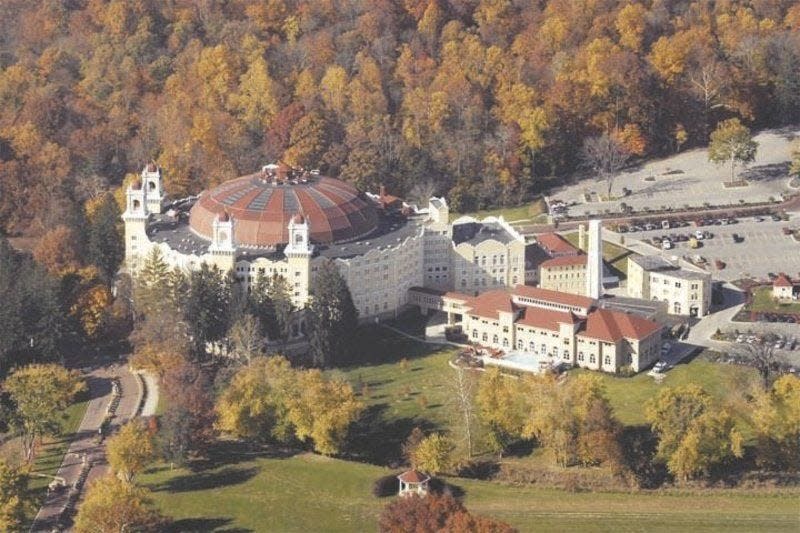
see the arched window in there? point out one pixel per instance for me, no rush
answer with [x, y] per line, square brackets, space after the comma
[137, 204]
[505, 343]
[580, 356]
[484, 337]
[608, 360]
[494, 339]
[520, 344]
[474, 333]
[532, 346]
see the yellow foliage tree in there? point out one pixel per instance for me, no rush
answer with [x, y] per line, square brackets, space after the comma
[130, 450]
[114, 506]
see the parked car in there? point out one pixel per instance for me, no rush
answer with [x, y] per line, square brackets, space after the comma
[665, 224]
[775, 217]
[694, 243]
[737, 238]
[758, 219]
[699, 235]
[660, 366]
[666, 244]
[649, 226]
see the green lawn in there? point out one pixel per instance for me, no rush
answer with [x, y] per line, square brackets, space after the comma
[534, 210]
[52, 452]
[311, 493]
[628, 395]
[406, 383]
[764, 303]
[616, 256]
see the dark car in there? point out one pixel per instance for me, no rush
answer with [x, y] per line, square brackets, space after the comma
[737, 237]
[776, 218]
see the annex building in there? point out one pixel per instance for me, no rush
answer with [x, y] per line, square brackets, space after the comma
[551, 327]
[282, 221]
[685, 292]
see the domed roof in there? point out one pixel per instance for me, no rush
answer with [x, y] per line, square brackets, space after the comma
[262, 208]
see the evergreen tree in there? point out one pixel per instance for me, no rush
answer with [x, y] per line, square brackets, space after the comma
[260, 304]
[333, 317]
[281, 297]
[105, 238]
[205, 307]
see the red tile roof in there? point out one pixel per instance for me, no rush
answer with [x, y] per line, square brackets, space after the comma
[565, 260]
[491, 303]
[556, 244]
[782, 281]
[613, 326]
[412, 476]
[553, 296]
[545, 318]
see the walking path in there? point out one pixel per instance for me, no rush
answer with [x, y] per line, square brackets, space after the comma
[85, 459]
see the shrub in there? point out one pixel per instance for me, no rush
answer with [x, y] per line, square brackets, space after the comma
[385, 486]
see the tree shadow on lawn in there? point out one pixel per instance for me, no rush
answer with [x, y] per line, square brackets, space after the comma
[379, 441]
[207, 480]
[229, 452]
[187, 525]
[639, 446]
[377, 345]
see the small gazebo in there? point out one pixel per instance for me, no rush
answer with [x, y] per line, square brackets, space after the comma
[413, 482]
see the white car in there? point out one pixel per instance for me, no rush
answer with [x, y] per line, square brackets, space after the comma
[660, 366]
[699, 235]
[666, 244]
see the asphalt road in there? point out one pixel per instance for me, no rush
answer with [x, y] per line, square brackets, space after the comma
[84, 449]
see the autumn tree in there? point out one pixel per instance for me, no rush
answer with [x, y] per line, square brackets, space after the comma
[463, 386]
[323, 410]
[187, 426]
[255, 405]
[14, 497]
[58, 251]
[501, 407]
[574, 422]
[731, 143]
[418, 513]
[130, 450]
[776, 419]
[115, 506]
[433, 454]
[40, 394]
[693, 434]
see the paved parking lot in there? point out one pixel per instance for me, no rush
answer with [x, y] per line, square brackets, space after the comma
[689, 179]
[764, 248]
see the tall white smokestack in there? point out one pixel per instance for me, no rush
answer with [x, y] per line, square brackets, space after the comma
[594, 261]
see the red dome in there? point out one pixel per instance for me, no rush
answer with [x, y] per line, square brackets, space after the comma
[262, 209]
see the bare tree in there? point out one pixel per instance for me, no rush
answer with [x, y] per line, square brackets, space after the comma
[421, 192]
[763, 357]
[464, 396]
[604, 155]
[246, 339]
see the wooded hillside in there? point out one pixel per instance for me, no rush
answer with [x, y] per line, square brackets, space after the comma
[476, 99]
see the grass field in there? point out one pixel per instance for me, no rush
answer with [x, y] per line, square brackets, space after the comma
[534, 210]
[404, 384]
[311, 493]
[240, 490]
[628, 395]
[763, 303]
[52, 452]
[616, 256]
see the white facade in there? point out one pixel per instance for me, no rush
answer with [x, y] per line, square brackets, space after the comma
[379, 275]
[685, 292]
[594, 261]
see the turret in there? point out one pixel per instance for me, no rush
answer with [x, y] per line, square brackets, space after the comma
[152, 184]
[135, 218]
[223, 242]
[298, 254]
